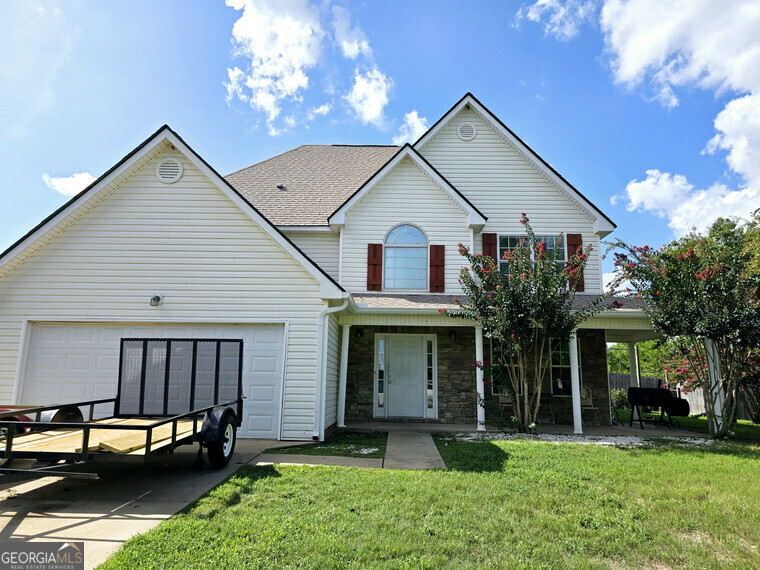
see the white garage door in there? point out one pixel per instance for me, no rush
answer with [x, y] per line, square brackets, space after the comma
[75, 362]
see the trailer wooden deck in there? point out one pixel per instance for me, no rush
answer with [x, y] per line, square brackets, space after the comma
[127, 441]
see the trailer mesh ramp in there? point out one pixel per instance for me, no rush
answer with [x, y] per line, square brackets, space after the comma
[169, 377]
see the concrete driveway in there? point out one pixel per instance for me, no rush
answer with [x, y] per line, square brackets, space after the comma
[128, 499]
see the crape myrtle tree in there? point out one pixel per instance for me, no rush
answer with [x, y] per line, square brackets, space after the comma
[523, 308]
[701, 290]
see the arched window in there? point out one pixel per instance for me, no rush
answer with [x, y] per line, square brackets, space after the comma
[406, 263]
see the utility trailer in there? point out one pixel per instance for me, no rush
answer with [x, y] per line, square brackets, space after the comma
[171, 392]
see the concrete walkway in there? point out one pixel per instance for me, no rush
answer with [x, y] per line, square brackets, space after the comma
[412, 450]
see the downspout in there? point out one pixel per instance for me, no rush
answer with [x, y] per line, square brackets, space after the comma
[321, 387]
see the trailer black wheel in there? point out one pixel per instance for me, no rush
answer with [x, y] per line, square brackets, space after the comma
[220, 451]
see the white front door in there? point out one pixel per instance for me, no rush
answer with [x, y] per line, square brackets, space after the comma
[406, 376]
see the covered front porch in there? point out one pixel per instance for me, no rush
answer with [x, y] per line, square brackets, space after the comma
[413, 366]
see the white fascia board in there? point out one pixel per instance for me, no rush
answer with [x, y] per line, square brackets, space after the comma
[601, 225]
[327, 289]
[474, 218]
[83, 197]
[307, 229]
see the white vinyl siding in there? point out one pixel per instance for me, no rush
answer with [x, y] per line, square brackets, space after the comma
[333, 365]
[321, 247]
[405, 196]
[502, 184]
[187, 242]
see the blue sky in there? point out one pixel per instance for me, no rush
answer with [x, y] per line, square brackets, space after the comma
[650, 108]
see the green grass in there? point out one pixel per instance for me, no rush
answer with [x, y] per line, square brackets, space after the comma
[508, 504]
[369, 445]
[744, 430]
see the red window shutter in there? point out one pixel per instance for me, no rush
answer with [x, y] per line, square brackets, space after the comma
[489, 246]
[574, 242]
[374, 267]
[437, 263]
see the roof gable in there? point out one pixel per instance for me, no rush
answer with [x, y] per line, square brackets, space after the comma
[475, 218]
[602, 224]
[83, 202]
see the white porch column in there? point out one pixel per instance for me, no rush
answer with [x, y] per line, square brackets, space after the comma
[633, 366]
[343, 375]
[575, 383]
[714, 376]
[479, 378]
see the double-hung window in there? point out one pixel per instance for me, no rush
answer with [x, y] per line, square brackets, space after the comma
[406, 258]
[512, 242]
[560, 368]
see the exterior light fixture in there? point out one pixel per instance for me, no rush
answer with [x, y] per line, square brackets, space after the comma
[359, 333]
[281, 187]
[155, 300]
[452, 334]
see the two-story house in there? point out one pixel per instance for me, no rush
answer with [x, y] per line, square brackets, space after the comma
[330, 262]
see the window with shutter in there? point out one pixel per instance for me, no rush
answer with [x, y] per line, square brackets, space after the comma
[489, 246]
[437, 266]
[574, 243]
[374, 266]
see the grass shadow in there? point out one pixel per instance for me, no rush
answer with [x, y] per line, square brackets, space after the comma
[231, 490]
[470, 456]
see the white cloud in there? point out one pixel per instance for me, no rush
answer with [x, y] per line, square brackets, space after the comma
[281, 44]
[352, 41]
[37, 42]
[413, 128]
[738, 126]
[609, 278]
[320, 111]
[281, 41]
[69, 185]
[699, 42]
[369, 96]
[562, 19]
[671, 196]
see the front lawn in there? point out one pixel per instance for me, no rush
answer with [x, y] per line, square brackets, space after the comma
[509, 504]
[370, 445]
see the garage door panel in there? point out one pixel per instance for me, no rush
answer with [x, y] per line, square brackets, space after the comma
[74, 362]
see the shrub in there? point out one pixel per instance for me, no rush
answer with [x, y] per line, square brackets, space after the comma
[618, 399]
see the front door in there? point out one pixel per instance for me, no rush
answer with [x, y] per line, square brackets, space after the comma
[406, 376]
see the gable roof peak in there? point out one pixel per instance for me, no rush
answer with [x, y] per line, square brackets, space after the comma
[603, 224]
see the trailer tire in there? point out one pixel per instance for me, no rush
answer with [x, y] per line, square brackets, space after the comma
[220, 451]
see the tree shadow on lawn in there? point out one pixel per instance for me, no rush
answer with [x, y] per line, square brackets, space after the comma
[231, 490]
[471, 456]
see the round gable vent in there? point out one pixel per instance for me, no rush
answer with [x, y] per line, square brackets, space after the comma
[169, 170]
[466, 131]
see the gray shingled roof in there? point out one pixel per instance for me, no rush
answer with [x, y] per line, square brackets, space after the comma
[425, 301]
[317, 180]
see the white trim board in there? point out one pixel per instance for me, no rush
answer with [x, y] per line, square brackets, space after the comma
[474, 218]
